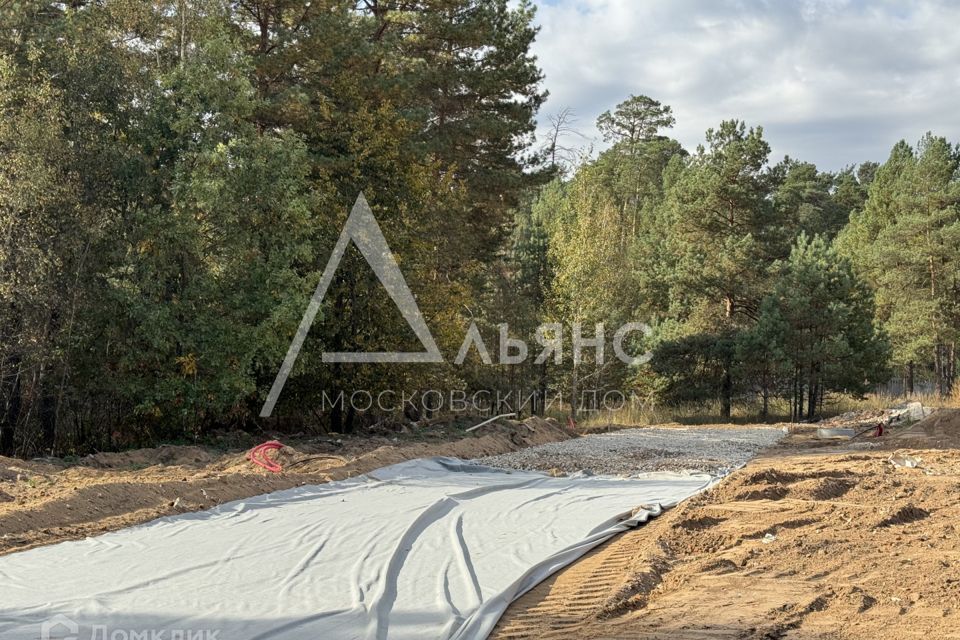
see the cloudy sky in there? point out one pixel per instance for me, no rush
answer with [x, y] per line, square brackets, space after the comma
[835, 82]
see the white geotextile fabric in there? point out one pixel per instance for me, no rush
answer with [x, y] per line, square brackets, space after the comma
[420, 550]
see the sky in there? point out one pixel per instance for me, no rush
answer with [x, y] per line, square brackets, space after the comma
[834, 82]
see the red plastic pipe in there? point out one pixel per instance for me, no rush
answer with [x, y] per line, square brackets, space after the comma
[258, 456]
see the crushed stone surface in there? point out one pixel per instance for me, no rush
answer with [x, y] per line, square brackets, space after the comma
[633, 451]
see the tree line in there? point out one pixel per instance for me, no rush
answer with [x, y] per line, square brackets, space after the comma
[175, 173]
[761, 280]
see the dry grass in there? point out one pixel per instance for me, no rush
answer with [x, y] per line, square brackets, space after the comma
[842, 404]
[749, 411]
[688, 413]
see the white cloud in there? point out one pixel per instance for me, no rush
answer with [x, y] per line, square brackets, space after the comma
[831, 81]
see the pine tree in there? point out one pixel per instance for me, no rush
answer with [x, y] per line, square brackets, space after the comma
[807, 202]
[722, 234]
[819, 324]
[906, 243]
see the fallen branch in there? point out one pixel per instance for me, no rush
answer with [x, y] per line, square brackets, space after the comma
[485, 422]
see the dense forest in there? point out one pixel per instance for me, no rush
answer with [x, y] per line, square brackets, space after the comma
[175, 173]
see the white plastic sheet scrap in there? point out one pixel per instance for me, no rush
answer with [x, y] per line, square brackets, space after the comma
[420, 550]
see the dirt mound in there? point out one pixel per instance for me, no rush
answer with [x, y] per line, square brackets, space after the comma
[904, 515]
[822, 488]
[938, 430]
[777, 484]
[142, 458]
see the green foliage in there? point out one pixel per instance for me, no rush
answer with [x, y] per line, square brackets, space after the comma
[818, 325]
[906, 243]
[690, 367]
[713, 250]
[636, 119]
[721, 221]
[813, 201]
[175, 173]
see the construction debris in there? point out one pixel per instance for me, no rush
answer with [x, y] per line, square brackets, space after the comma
[898, 415]
[903, 460]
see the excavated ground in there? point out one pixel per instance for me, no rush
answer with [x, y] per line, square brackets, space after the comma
[812, 540]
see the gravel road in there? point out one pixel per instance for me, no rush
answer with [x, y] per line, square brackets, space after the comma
[634, 451]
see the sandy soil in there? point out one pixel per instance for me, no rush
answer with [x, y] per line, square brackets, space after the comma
[813, 540]
[42, 502]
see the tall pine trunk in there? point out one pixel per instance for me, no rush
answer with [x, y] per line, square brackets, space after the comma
[726, 391]
[938, 367]
[12, 397]
[952, 367]
[543, 390]
[765, 411]
[573, 392]
[726, 388]
[800, 397]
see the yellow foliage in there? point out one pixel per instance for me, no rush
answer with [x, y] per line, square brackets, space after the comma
[188, 365]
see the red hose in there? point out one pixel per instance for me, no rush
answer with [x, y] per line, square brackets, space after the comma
[258, 456]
